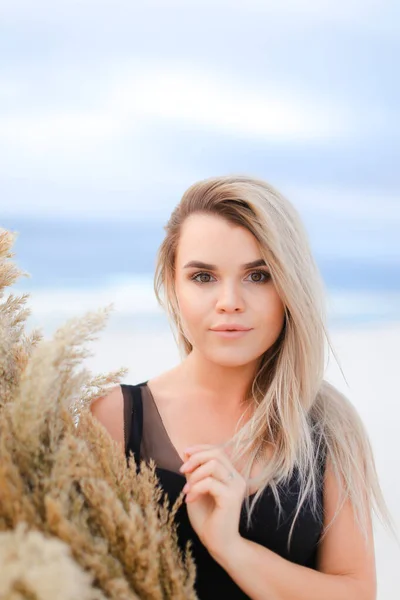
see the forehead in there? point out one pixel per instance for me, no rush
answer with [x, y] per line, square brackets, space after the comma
[212, 238]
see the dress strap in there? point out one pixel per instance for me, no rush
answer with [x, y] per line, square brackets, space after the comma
[136, 429]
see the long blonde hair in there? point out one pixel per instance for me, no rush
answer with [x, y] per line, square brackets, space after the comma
[300, 415]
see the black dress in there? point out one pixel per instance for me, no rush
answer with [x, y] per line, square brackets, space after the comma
[146, 437]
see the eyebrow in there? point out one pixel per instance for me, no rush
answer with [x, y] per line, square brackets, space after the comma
[202, 265]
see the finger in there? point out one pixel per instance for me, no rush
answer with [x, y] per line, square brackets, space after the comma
[201, 447]
[201, 457]
[209, 485]
[211, 468]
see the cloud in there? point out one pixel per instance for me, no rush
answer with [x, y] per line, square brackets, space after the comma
[114, 103]
[109, 137]
[357, 12]
[355, 205]
[209, 100]
[67, 131]
[168, 93]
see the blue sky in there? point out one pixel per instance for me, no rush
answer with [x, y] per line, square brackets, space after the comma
[111, 109]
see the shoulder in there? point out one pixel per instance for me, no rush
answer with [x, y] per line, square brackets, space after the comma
[109, 411]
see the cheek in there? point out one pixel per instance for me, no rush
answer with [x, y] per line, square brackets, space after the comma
[274, 317]
[191, 305]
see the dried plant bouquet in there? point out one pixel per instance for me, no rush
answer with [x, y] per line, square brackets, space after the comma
[76, 521]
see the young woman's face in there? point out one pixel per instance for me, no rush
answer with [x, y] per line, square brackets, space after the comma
[226, 290]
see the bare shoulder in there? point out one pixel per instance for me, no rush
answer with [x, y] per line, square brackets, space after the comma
[109, 411]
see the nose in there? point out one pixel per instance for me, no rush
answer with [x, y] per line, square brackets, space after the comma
[229, 299]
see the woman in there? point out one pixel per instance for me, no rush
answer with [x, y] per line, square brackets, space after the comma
[275, 463]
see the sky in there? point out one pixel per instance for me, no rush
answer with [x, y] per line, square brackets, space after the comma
[110, 110]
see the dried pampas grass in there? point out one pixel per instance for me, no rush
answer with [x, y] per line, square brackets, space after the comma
[34, 566]
[62, 475]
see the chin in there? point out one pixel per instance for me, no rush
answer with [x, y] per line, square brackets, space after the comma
[231, 357]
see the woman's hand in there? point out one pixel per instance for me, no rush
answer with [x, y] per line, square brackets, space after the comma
[214, 496]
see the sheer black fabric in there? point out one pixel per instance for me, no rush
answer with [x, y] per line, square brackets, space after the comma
[146, 437]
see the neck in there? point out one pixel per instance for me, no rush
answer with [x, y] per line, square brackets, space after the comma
[223, 386]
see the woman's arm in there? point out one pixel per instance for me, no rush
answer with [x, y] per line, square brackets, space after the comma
[346, 564]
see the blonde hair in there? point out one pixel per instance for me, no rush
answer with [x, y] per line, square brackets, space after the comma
[296, 412]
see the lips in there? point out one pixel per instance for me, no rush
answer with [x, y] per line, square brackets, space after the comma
[230, 334]
[233, 327]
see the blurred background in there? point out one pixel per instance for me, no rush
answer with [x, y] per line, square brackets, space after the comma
[110, 110]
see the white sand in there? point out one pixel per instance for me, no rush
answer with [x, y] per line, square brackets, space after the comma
[370, 360]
